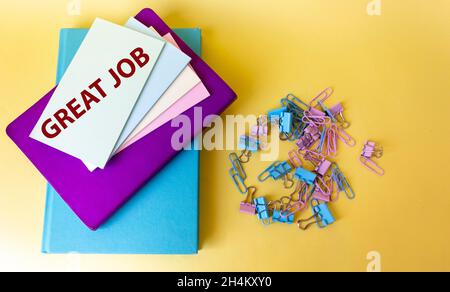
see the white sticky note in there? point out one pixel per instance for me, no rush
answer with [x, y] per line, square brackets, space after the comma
[90, 107]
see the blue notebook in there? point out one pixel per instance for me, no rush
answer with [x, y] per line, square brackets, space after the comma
[161, 219]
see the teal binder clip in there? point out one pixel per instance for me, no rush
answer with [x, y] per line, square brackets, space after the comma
[262, 209]
[247, 143]
[286, 123]
[275, 115]
[305, 175]
[282, 217]
[276, 171]
[281, 170]
[322, 216]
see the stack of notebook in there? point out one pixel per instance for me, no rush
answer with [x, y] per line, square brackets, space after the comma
[103, 138]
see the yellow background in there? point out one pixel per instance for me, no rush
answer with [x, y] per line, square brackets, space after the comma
[392, 72]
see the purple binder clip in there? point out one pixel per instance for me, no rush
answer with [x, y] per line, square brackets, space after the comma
[371, 149]
[337, 109]
[310, 136]
[323, 167]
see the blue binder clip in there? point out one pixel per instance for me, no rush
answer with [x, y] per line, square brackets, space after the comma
[276, 170]
[280, 170]
[305, 176]
[248, 143]
[280, 217]
[262, 210]
[322, 216]
[286, 123]
[275, 115]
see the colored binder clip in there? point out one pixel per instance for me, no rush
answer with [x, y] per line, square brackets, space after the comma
[276, 170]
[275, 115]
[279, 213]
[248, 143]
[247, 206]
[338, 113]
[282, 217]
[281, 169]
[321, 216]
[262, 210]
[310, 135]
[371, 149]
[286, 123]
[261, 130]
[305, 176]
[342, 182]
[323, 167]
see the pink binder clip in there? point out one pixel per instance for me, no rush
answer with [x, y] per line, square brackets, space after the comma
[261, 129]
[310, 136]
[247, 207]
[371, 149]
[323, 167]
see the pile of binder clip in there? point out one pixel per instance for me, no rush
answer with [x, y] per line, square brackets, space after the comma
[314, 180]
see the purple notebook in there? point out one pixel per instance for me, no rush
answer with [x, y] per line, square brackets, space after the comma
[94, 197]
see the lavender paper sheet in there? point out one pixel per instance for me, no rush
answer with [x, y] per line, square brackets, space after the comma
[94, 197]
